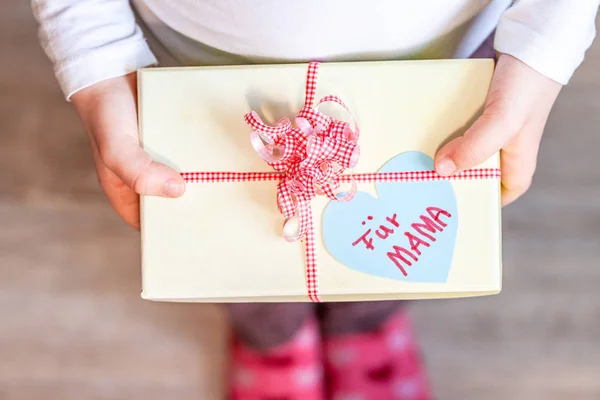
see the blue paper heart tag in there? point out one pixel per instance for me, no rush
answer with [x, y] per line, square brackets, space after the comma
[408, 233]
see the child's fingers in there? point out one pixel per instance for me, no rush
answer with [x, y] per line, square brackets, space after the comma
[518, 163]
[137, 170]
[481, 141]
[122, 198]
[498, 123]
[109, 112]
[125, 170]
[502, 118]
[119, 189]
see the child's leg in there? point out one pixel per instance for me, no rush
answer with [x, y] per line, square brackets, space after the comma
[267, 325]
[371, 352]
[276, 352]
[351, 317]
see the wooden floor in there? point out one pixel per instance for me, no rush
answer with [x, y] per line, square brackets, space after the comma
[73, 327]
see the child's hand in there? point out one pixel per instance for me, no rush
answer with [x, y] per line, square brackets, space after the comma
[108, 110]
[515, 114]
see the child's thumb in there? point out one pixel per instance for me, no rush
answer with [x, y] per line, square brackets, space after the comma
[141, 173]
[481, 141]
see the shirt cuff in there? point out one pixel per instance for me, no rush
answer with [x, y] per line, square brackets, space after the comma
[557, 60]
[103, 63]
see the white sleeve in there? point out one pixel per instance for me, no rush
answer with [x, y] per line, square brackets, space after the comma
[90, 40]
[551, 36]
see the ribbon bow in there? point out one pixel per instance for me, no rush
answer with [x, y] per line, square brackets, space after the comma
[311, 157]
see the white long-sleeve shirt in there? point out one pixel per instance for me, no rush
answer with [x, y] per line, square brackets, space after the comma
[92, 40]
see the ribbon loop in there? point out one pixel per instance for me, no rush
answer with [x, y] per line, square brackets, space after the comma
[268, 133]
[343, 152]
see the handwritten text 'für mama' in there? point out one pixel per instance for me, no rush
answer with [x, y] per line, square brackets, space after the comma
[422, 234]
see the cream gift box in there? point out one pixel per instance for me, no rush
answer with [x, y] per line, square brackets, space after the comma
[222, 241]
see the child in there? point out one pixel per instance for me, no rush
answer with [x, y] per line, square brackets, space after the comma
[285, 351]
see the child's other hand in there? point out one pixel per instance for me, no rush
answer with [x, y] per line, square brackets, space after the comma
[108, 110]
[515, 114]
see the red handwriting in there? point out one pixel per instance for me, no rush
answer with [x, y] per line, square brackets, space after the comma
[392, 220]
[415, 242]
[383, 232]
[438, 211]
[398, 256]
[432, 224]
[366, 240]
[420, 237]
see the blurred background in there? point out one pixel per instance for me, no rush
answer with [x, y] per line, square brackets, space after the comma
[73, 326]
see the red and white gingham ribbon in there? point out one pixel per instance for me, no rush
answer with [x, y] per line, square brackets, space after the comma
[310, 160]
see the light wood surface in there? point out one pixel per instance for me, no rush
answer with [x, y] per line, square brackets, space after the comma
[72, 324]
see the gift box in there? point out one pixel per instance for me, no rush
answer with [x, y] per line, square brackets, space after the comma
[315, 182]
